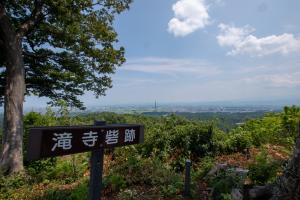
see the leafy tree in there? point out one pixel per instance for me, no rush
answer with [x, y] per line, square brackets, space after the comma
[290, 119]
[57, 49]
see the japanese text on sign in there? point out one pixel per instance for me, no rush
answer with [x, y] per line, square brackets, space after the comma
[55, 141]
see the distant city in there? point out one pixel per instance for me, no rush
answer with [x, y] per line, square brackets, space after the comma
[184, 108]
[226, 107]
[201, 107]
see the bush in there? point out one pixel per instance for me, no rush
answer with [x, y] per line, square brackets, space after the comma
[203, 168]
[117, 182]
[128, 194]
[57, 194]
[218, 141]
[224, 182]
[148, 172]
[80, 192]
[239, 141]
[8, 184]
[189, 141]
[41, 169]
[264, 170]
[14, 181]
[226, 196]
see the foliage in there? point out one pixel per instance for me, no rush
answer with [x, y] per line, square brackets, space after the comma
[223, 120]
[80, 192]
[238, 140]
[117, 182]
[201, 169]
[224, 182]
[149, 171]
[226, 196]
[177, 139]
[68, 46]
[41, 169]
[264, 170]
[11, 183]
[157, 165]
[56, 194]
[273, 128]
[128, 194]
[290, 120]
[191, 140]
[14, 181]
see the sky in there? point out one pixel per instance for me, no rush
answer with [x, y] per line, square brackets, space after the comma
[204, 51]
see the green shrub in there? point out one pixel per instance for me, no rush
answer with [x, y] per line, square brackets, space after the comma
[290, 120]
[238, 141]
[80, 192]
[128, 194]
[202, 168]
[170, 190]
[14, 181]
[264, 170]
[226, 196]
[63, 171]
[157, 142]
[201, 140]
[56, 194]
[189, 141]
[147, 171]
[218, 141]
[224, 182]
[117, 182]
[40, 169]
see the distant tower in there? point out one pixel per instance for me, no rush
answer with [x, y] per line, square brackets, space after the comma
[155, 106]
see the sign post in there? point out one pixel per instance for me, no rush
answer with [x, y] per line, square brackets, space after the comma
[187, 180]
[96, 170]
[64, 140]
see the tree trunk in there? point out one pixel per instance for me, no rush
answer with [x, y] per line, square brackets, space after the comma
[11, 160]
[287, 186]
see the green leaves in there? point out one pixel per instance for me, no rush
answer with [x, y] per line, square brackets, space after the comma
[264, 170]
[70, 49]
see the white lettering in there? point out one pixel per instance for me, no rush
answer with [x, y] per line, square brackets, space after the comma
[62, 140]
[129, 135]
[112, 136]
[89, 139]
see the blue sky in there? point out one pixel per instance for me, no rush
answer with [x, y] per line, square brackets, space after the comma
[206, 50]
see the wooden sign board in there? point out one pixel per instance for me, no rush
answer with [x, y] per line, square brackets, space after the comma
[63, 140]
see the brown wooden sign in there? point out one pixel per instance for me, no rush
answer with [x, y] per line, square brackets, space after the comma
[63, 140]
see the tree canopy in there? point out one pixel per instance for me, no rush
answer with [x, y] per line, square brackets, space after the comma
[68, 46]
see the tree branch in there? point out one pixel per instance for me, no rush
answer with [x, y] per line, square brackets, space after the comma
[32, 20]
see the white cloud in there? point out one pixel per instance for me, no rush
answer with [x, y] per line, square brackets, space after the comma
[190, 15]
[242, 41]
[276, 80]
[170, 66]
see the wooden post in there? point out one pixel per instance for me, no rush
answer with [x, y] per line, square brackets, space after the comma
[96, 170]
[187, 181]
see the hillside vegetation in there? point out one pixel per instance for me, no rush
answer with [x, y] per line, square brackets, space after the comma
[155, 169]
